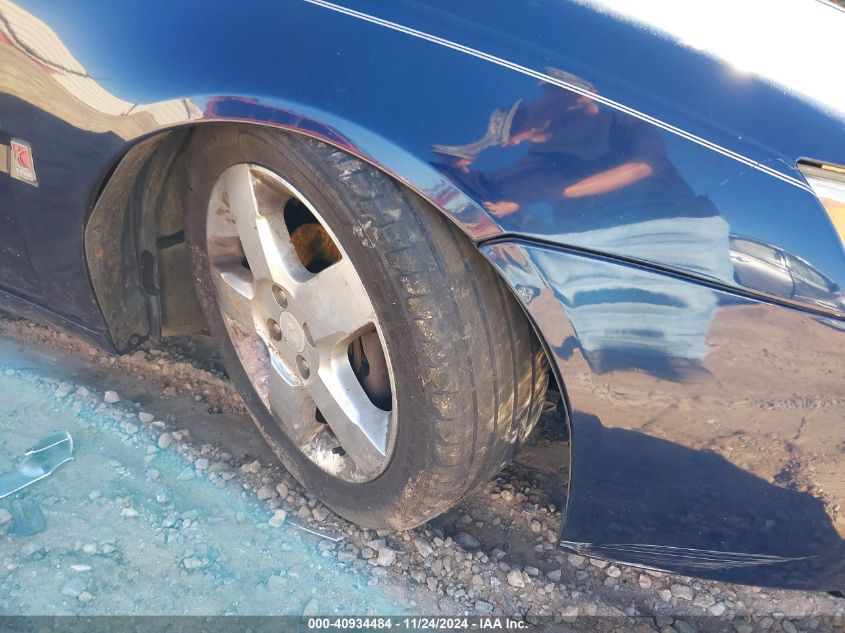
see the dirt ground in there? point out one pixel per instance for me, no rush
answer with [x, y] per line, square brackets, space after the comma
[174, 505]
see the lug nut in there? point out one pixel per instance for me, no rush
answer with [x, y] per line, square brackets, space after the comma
[274, 330]
[281, 297]
[303, 368]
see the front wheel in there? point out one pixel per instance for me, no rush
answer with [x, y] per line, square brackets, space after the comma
[382, 359]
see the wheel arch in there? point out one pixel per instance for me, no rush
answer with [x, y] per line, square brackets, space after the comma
[137, 255]
[138, 214]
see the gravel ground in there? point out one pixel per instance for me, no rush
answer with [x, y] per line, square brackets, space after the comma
[174, 505]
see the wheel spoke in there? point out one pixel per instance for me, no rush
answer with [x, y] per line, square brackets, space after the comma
[257, 210]
[240, 196]
[235, 292]
[360, 427]
[291, 402]
[335, 304]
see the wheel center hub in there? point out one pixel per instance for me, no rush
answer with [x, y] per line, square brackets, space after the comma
[292, 332]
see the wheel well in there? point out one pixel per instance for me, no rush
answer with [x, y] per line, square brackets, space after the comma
[135, 247]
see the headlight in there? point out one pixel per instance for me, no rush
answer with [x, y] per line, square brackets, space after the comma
[828, 182]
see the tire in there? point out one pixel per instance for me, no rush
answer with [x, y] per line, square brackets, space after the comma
[469, 375]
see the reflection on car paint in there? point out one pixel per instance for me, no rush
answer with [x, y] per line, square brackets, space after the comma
[782, 274]
[706, 427]
[564, 160]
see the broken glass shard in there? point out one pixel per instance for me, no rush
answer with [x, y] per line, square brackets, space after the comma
[38, 462]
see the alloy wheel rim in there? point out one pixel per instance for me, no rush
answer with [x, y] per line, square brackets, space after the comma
[301, 323]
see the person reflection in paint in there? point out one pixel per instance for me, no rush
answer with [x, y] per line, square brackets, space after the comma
[570, 168]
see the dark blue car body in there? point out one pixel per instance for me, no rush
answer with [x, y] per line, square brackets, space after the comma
[611, 169]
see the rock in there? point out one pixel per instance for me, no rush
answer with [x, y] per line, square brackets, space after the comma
[497, 554]
[682, 626]
[145, 417]
[467, 541]
[85, 596]
[63, 390]
[111, 397]
[320, 513]
[577, 561]
[554, 575]
[386, 557]
[682, 591]
[437, 566]
[304, 512]
[129, 512]
[597, 562]
[423, 547]
[253, 467]
[89, 548]
[278, 518]
[129, 427]
[507, 495]
[483, 607]
[348, 554]
[74, 587]
[644, 581]
[192, 563]
[515, 579]
[718, 609]
[704, 600]
[418, 576]
[789, 627]
[613, 571]
[82, 391]
[377, 543]
[536, 526]
[283, 490]
[187, 474]
[266, 492]
[569, 614]
[201, 464]
[665, 595]
[80, 567]
[165, 440]
[5, 516]
[311, 609]
[531, 571]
